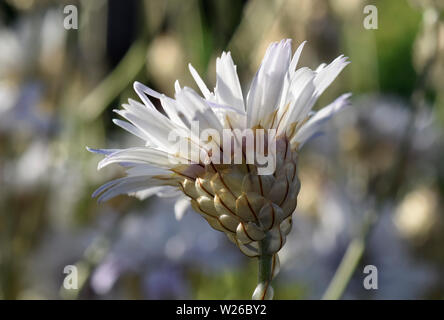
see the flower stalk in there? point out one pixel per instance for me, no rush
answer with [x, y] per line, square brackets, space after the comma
[264, 290]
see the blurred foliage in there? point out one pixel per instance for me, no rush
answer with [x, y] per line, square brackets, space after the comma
[395, 64]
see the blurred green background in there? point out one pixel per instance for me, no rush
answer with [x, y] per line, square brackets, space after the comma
[377, 174]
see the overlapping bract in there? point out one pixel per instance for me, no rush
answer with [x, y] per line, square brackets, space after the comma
[246, 206]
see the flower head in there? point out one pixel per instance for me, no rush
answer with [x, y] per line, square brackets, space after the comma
[234, 159]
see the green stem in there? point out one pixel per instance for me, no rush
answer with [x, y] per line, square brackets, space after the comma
[265, 268]
[345, 270]
[125, 72]
[265, 273]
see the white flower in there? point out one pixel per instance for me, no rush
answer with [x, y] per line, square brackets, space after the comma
[233, 198]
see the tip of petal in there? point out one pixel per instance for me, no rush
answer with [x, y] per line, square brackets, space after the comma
[100, 151]
[101, 164]
[177, 86]
[302, 45]
[142, 91]
[138, 86]
[345, 98]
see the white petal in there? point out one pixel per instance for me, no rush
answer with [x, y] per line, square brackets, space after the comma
[200, 83]
[289, 76]
[125, 185]
[103, 151]
[180, 207]
[173, 111]
[140, 156]
[327, 74]
[144, 194]
[267, 85]
[286, 94]
[132, 129]
[296, 56]
[226, 108]
[141, 89]
[320, 67]
[135, 102]
[228, 90]
[146, 170]
[309, 129]
[232, 118]
[299, 95]
[177, 87]
[152, 123]
[171, 192]
[196, 109]
[106, 186]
